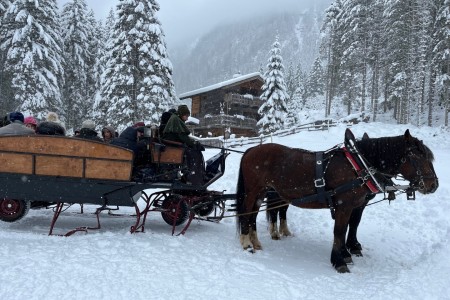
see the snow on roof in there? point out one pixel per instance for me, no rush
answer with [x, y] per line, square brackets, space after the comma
[220, 85]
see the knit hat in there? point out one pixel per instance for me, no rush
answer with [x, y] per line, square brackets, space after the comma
[88, 124]
[15, 116]
[30, 120]
[139, 124]
[183, 110]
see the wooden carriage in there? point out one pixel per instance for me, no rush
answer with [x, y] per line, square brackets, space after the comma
[56, 169]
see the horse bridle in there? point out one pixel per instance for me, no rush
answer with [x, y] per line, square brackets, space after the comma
[418, 181]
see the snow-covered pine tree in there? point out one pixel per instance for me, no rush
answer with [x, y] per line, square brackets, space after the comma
[100, 109]
[33, 55]
[331, 49]
[315, 84]
[76, 35]
[400, 54]
[5, 90]
[137, 84]
[274, 109]
[442, 55]
[97, 50]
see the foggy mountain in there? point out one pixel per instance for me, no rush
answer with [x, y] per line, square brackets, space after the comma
[243, 47]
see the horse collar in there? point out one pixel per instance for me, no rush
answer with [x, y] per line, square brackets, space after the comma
[364, 173]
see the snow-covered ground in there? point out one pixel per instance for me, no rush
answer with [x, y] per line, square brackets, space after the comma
[406, 246]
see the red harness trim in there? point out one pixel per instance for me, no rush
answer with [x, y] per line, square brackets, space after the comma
[372, 187]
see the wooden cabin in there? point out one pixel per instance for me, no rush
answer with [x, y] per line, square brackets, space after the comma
[232, 104]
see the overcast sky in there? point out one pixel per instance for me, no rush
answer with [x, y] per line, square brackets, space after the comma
[188, 19]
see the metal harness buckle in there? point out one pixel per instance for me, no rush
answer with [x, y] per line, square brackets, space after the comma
[319, 182]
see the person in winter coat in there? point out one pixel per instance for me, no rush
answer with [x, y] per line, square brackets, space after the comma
[50, 128]
[88, 132]
[14, 125]
[177, 131]
[164, 119]
[129, 139]
[108, 134]
[30, 122]
[53, 117]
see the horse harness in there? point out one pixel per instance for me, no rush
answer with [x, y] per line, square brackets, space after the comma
[366, 175]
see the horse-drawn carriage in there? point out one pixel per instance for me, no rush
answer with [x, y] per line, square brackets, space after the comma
[38, 170]
[42, 171]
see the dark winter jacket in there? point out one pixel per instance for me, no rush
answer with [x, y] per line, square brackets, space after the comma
[177, 131]
[50, 128]
[89, 134]
[165, 117]
[128, 139]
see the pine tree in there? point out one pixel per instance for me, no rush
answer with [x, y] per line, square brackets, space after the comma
[137, 83]
[400, 25]
[33, 55]
[100, 109]
[76, 34]
[331, 49]
[273, 110]
[5, 90]
[315, 84]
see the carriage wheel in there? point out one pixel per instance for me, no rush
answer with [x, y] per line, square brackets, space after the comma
[13, 210]
[170, 215]
[205, 210]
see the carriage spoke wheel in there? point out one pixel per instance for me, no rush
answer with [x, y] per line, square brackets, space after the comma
[12, 210]
[170, 214]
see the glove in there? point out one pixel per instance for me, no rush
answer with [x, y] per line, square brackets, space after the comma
[199, 146]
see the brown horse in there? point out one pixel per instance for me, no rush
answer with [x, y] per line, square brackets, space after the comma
[292, 174]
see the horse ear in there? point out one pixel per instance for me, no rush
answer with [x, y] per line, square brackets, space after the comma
[365, 136]
[407, 135]
[349, 134]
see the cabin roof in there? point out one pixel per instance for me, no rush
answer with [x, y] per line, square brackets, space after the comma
[231, 82]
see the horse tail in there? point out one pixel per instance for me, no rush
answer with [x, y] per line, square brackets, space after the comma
[240, 197]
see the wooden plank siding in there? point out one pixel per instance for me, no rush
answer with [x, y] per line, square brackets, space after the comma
[64, 156]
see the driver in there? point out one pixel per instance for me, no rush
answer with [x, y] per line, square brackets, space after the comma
[177, 131]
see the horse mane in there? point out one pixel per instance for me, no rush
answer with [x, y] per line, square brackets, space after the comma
[386, 153]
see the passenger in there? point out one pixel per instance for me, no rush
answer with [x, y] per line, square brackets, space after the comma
[88, 132]
[14, 125]
[177, 131]
[53, 117]
[164, 119]
[50, 128]
[30, 122]
[108, 134]
[139, 124]
[129, 139]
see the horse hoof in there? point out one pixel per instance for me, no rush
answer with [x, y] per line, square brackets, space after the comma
[357, 253]
[343, 269]
[348, 260]
[276, 237]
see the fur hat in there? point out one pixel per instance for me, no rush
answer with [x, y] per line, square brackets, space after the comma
[15, 116]
[183, 110]
[30, 120]
[88, 124]
[52, 117]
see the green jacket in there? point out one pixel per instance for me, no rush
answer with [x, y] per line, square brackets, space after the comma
[177, 131]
